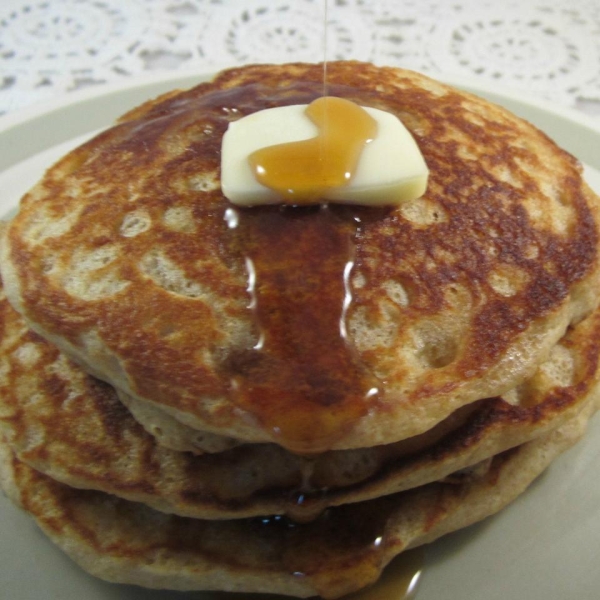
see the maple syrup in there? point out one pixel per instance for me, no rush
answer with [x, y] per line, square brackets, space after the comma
[303, 379]
[325, 48]
[399, 580]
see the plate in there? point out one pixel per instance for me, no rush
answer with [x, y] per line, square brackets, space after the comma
[543, 546]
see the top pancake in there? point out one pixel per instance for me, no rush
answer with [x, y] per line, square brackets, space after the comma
[129, 258]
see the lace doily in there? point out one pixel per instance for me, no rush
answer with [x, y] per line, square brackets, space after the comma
[548, 49]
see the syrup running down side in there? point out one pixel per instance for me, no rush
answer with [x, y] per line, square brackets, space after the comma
[399, 581]
[303, 380]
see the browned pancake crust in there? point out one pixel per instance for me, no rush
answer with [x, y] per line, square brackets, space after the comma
[344, 550]
[124, 257]
[72, 427]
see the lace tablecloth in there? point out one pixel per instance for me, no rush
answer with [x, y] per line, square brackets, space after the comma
[540, 48]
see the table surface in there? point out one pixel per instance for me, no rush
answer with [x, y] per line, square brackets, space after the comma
[546, 49]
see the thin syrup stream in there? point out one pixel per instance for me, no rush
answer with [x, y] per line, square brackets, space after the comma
[325, 28]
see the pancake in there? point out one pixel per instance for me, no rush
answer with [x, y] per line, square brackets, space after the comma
[343, 551]
[170, 432]
[72, 427]
[128, 257]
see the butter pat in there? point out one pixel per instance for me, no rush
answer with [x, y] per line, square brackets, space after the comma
[391, 168]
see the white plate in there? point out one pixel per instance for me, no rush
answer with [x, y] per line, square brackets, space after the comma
[544, 546]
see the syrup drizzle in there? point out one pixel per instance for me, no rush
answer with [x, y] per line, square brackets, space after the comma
[325, 30]
[398, 581]
[358, 534]
[302, 378]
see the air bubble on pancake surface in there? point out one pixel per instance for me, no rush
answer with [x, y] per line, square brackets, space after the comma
[560, 367]
[565, 217]
[560, 210]
[156, 431]
[507, 175]
[169, 276]
[179, 218]
[458, 296]
[465, 153]
[557, 371]
[89, 278]
[369, 331]
[423, 212]
[440, 352]
[96, 258]
[134, 223]
[28, 389]
[436, 89]
[95, 288]
[507, 280]
[27, 354]
[547, 208]
[358, 280]
[206, 182]
[48, 263]
[34, 436]
[436, 344]
[397, 292]
[45, 224]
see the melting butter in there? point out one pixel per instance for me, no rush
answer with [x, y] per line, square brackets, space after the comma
[303, 171]
[331, 150]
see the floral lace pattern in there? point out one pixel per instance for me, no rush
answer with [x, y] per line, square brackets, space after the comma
[548, 49]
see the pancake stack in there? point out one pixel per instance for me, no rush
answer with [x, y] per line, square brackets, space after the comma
[196, 396]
